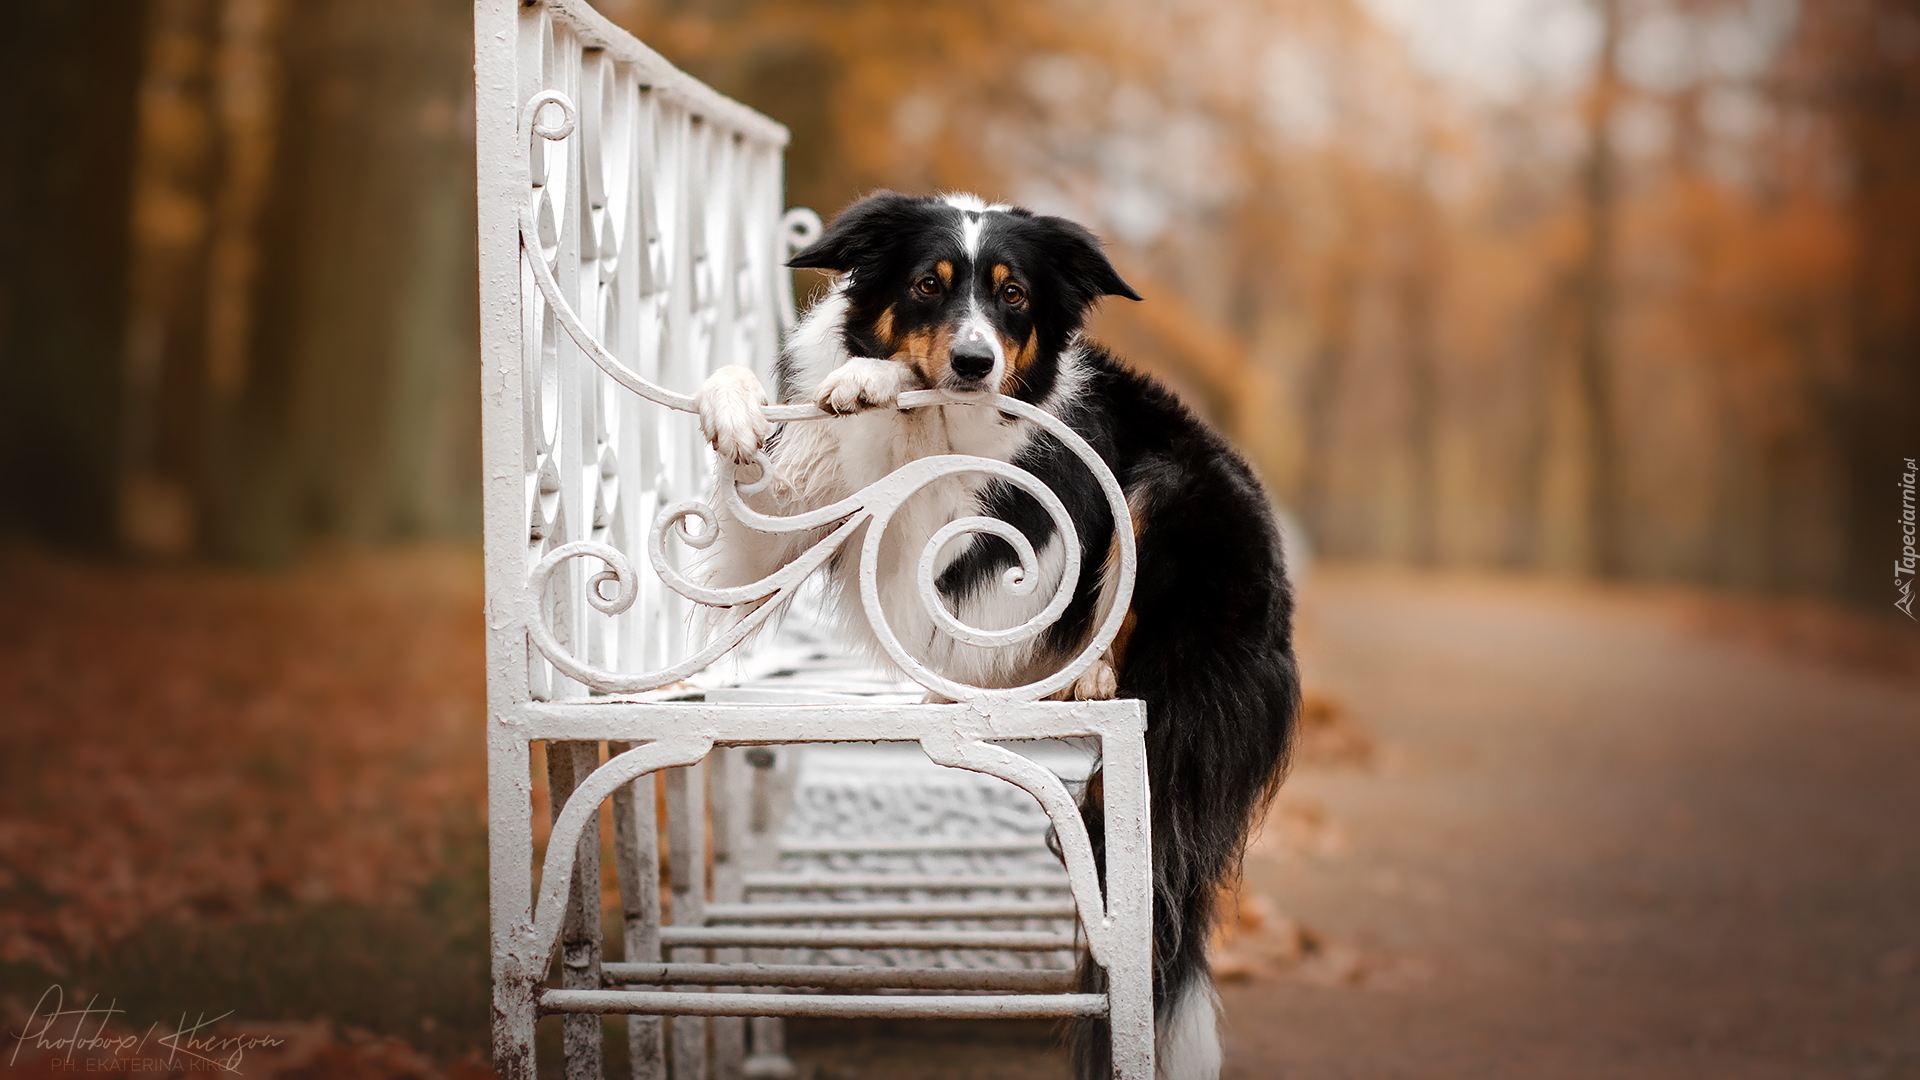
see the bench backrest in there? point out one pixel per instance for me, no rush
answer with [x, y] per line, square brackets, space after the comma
[631, 242]
[657, 206]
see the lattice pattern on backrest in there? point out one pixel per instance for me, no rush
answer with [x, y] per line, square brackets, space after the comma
[647, 242]
[657, 208]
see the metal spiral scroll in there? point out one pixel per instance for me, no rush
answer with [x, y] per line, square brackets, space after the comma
[874, 505]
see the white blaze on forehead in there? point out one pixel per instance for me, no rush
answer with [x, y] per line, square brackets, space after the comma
[973, 211]
[961, 200]
[970, 229]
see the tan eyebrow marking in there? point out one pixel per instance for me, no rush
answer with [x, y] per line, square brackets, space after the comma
[945, 270]
[1001, 274]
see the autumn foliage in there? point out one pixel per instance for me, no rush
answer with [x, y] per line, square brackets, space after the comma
[1628, 288]
[193, 747]
[1630, 291]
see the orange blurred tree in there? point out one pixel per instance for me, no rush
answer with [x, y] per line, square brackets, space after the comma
[1591, 325]
[1653, 314]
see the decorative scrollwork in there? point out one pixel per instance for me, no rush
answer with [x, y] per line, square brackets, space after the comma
[538, 103]
[800, 227]
[696, 523]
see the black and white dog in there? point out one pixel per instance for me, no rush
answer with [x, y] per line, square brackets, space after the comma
[948, 292]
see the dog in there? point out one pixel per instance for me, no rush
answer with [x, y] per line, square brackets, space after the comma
[948, 292]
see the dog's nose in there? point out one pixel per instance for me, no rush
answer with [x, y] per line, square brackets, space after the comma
[972, 360]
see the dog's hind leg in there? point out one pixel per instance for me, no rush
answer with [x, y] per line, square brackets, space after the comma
[1098, 683]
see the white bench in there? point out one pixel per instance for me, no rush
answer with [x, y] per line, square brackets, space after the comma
[631, 241]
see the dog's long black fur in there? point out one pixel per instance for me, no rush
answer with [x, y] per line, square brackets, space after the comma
[1208, 648]
[1210, 652]
[1208, 641]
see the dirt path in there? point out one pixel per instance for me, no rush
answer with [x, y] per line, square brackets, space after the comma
[1606, 842]
[1608, 834]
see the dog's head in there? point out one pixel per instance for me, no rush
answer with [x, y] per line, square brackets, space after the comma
[971, 296]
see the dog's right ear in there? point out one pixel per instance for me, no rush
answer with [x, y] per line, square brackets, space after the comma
[860, 233]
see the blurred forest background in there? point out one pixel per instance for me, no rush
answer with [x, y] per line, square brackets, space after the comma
[1613, 287]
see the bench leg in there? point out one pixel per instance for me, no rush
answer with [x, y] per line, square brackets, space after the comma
[636, 842]
[568, 764]
[510, 884]
[687, 871]
[1130, 900]
[728, 792]
[770, 791]
[769, 1060]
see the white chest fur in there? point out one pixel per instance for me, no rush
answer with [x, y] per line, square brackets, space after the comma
[822, 461]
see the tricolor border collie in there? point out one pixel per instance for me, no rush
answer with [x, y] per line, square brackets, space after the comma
[949, 292]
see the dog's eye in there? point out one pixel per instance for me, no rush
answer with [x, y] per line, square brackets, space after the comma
[1012, 293]
[927, 286]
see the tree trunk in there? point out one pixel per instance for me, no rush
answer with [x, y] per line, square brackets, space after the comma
[353, 409]
[1594, 348]
[70, 70]
[1876, 98]
[1325, 372]
[1419, 326]
[173, 194]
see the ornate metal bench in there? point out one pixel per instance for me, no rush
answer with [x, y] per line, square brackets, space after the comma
[631, 241]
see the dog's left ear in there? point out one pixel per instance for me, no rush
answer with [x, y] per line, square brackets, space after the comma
[861, 232]
[1080, 261]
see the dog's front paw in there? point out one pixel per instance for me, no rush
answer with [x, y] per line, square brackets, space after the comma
[860, 383]
[730, 415]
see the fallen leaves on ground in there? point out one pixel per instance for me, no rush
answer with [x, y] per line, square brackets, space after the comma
[192, 743]
[1298, 826]
[1328, 736]
[1256, 940]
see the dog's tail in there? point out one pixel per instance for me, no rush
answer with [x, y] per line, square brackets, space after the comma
[1185, 1008]
[1219, 729]
[1186, 1035]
